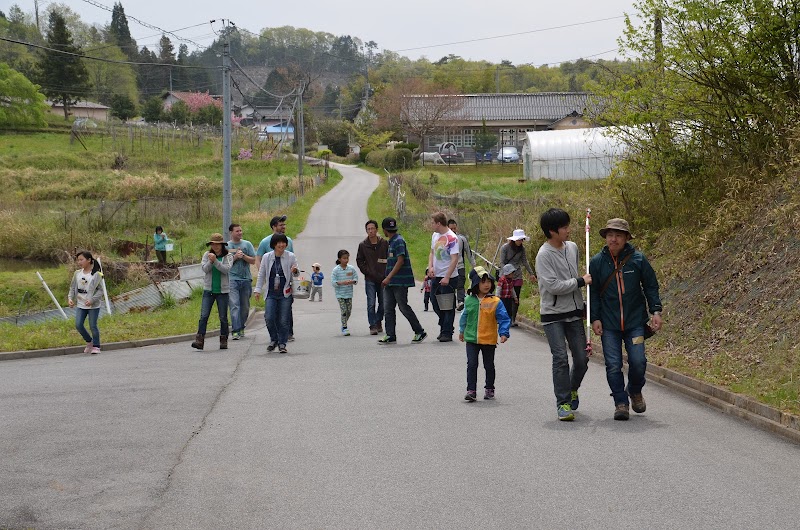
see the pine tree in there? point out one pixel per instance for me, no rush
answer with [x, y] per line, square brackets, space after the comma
[121, 34]
[63, 76]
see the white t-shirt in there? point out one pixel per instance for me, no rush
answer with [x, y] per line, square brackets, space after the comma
[444, 246]
[83, 287]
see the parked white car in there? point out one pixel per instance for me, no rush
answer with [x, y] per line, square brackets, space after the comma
[508, 154]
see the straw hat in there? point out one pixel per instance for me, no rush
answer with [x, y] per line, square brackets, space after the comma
[517, 235]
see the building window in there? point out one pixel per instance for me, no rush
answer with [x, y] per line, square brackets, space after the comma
[457, 139]
[469, 137]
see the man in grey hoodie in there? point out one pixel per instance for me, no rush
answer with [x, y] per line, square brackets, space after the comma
[562, 309]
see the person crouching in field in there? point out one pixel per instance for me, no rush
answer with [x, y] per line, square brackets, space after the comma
[483, 317]
[216, 265]
[86, 295]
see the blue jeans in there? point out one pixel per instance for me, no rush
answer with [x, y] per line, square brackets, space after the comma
[637, 362]
[239, 301]
[446, 318]
[80, 318]
[396, 296]
[559, 335]
[374, 290]
[277, 314]
[222, 309]
[472, 364]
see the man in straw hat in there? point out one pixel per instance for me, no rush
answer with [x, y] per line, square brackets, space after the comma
[623, 290]
[514, 252]
[216, 265]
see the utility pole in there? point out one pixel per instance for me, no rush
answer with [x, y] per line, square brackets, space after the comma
[301, 139]
[226, 132]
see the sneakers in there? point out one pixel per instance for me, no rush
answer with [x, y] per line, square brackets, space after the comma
[88, 348]
[488, 393]
[460, 306]
[445, 338]
[387, 340]
[241, 334]
[373, 330]
[236, 335]
[419, 337]
[282, 349]
[272, 346]
[637, 403]
[621, 412]
[575, 401]
[95, 349]
[471, 395]
[565, 412]
[345, 332]
[290, 338]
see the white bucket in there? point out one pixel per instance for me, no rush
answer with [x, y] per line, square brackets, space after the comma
[169, 246]
[301, 286]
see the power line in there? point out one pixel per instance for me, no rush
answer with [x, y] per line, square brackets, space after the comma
[510, 34]
[82, 56]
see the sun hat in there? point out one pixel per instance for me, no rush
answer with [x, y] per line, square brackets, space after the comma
[315, 266]
[477, 274]
[517, 235]
[616, 224]
[507, 269]
[390, 224]
[217, 238]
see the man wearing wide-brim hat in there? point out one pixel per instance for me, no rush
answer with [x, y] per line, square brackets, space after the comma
[216, 265]
[513, 252]
[624, 289]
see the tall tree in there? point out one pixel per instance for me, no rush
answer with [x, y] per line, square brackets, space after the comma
[120, 33]
[62, 74]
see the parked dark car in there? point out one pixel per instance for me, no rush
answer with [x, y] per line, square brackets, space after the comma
[483, 157]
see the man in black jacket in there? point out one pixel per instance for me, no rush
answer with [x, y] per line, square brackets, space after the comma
[371, 261]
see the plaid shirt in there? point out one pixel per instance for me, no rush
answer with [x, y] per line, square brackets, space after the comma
[506, 285]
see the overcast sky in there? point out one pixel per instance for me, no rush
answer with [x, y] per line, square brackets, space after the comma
[548, 32]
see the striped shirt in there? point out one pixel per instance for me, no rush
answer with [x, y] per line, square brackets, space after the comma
[405, 276]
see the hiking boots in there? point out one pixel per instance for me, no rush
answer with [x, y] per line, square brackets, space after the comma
[373, 330]
[621, 412]
[565, 412]
[199, 341]
[637, 403]
[223, 342]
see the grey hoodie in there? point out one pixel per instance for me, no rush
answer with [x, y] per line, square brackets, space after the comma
[560, 282]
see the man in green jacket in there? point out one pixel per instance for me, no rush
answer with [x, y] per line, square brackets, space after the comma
[623, 290]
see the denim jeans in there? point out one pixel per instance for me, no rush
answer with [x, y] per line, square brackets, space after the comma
[222, 309]
[80, 318]
[277, 312]
[559, 335]
[637, 362]
[472, 364]
[446, 318]
[239, 302]
[374, 315]
[396, 296]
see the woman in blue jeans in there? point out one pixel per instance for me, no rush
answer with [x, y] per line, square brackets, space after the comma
[216, 265]
[275, 281]
[624, 289]
[86, 296]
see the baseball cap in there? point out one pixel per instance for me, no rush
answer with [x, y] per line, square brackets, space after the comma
[390, 224]
[277, 219]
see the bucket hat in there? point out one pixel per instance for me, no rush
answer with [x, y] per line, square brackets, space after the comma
[507, 269]
[517, 235]
[217, 238]
[616, 224]
[477, 274]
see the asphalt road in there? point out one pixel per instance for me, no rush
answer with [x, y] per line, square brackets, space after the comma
[344, 433]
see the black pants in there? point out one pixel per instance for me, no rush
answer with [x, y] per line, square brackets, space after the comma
[472, 364]
[426, 299]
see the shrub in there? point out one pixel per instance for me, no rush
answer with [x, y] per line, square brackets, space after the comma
[399, 158]
[363, 153]
[376, 158]
[408, 146]
[324, 153]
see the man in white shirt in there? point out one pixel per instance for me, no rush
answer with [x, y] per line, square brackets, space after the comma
[442, 263]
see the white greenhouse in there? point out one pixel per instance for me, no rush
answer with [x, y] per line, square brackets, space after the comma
[571, 154]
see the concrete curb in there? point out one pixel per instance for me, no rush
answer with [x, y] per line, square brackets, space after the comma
[110, 346]
[763, 416]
